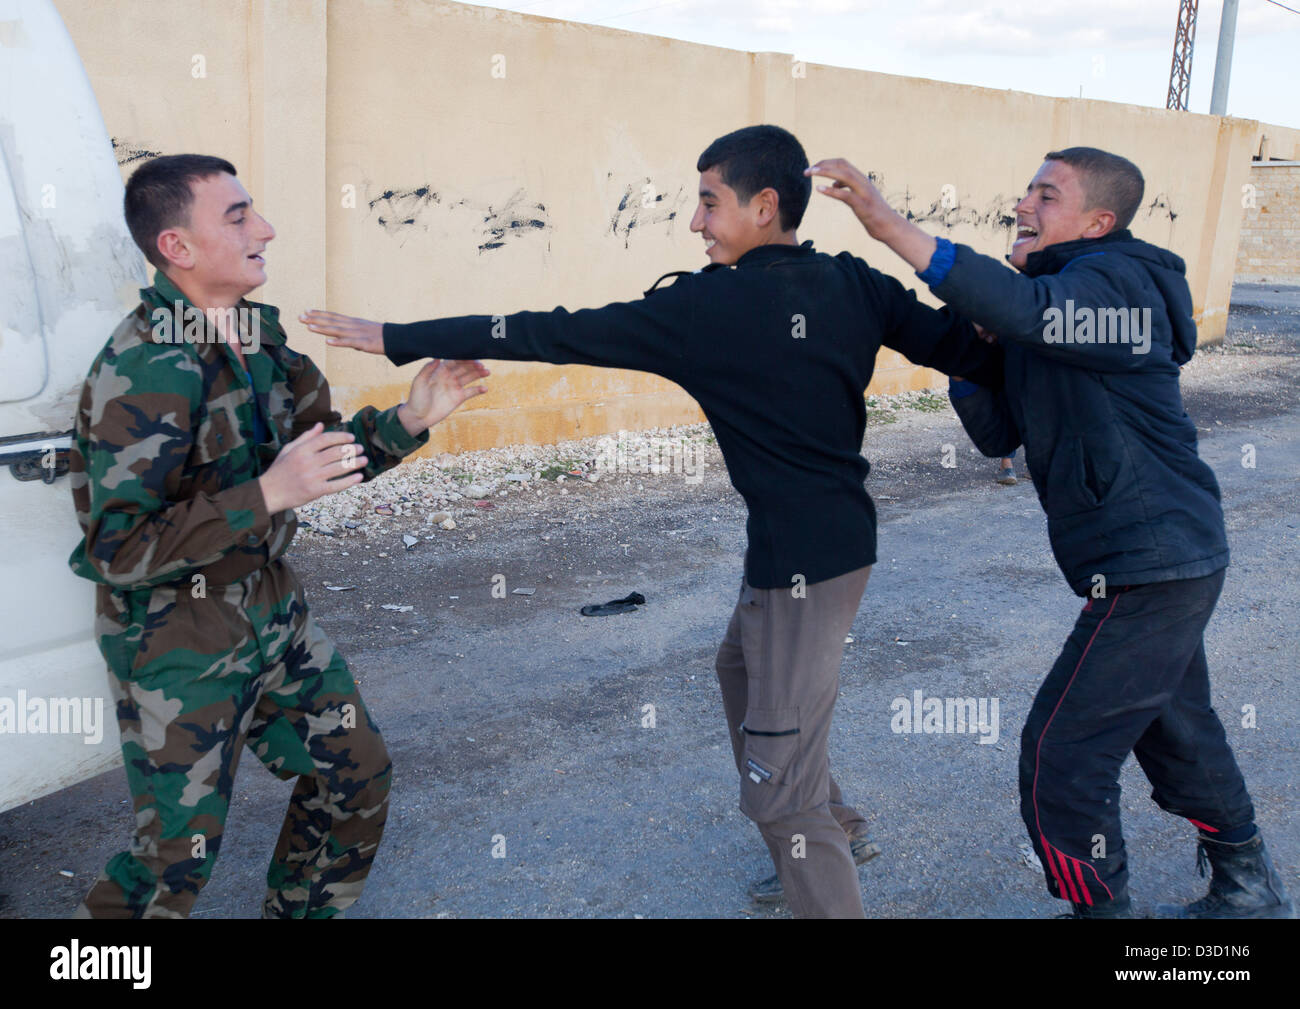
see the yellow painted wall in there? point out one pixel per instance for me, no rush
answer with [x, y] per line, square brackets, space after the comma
[455, 127]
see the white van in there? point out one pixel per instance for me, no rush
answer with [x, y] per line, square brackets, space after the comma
[69, 272]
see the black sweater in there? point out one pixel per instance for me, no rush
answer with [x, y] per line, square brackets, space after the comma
[778, 351]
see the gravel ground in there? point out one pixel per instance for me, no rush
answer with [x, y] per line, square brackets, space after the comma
[513, 719]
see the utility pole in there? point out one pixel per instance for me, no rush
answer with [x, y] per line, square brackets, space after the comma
[1180, 71]
[1223, 61]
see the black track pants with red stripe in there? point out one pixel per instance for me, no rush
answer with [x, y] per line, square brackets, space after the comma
[1131, 678]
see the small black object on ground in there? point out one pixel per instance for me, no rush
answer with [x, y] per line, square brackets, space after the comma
[624, 605]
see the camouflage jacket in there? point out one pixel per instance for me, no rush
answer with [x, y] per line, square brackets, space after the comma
[165, 456]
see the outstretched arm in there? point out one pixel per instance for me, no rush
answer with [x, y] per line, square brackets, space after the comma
[932, 338]
[1032, 311]
[648, 334]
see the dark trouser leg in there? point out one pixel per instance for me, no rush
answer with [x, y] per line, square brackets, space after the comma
[1186, 757]
[1125, 661]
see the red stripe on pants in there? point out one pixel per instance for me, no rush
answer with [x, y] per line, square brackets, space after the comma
[1038, 759]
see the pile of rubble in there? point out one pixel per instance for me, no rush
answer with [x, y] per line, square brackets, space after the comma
[441, 489]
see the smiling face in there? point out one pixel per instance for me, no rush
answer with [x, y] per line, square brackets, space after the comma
[1052, 212]
[217, 258]
[730, 228]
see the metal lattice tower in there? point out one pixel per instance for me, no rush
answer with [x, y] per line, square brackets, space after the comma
[1180, 71]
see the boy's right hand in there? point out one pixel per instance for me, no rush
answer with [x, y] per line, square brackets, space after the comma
[882, 222]
[851, 186]
[316, 463]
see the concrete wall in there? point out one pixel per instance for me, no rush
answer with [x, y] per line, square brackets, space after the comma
[1277, 143]
[429, 159]
[1269, 248]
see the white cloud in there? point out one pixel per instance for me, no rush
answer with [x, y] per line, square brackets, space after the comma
[1046, 46]
[1037, 28]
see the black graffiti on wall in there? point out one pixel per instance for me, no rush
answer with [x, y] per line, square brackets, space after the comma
[642, 206]
[400, 211]
[126, 152]
[515, 217]
[397, 210]
[1159, 207]
[997, 214]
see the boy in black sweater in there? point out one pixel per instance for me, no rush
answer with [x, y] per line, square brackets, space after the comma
[777, 342]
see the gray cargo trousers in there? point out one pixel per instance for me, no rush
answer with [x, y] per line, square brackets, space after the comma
[779, 673]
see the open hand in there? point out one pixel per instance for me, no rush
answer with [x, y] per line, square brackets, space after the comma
[346, 330]
[852, 187]
[882, 222]
[438, 389]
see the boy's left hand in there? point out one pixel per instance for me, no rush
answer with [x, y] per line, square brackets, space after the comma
[439, 388]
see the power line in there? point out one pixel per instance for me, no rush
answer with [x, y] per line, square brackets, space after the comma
[1283, 6]
[642, 10]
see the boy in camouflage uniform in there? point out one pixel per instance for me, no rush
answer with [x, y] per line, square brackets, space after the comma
[198, 432]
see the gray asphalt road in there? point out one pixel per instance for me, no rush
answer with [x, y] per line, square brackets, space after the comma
[516, 719]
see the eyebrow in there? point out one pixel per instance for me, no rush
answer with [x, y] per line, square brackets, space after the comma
[1042, 185]
[241, 205]
[708, 193]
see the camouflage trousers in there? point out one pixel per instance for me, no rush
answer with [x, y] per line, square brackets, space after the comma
[185, 713]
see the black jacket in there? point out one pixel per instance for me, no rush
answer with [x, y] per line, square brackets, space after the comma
[778, 352]
[1110, 449]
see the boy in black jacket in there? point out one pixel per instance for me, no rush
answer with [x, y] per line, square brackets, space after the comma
[1093, 330]
[777, 343]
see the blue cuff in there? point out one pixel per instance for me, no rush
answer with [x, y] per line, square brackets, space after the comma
[945, 254]
[959, 388]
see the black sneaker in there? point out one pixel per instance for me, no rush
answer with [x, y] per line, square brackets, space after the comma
[1243, 884]
[770, 890]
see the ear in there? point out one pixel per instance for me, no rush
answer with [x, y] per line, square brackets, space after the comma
[174, 248]
[1102, 223]
[766, 206]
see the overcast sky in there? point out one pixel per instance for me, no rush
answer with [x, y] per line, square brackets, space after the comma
[1117, 50]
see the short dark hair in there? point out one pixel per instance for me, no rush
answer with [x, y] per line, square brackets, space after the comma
[158, 197]
[1109, 181]
[758, 157]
